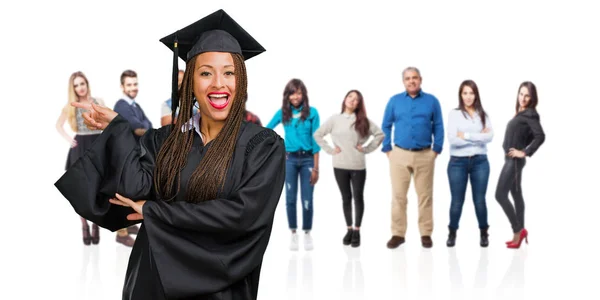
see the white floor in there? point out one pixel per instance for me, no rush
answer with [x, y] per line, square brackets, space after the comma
[43, 256]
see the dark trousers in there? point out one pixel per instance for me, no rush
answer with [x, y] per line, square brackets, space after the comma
[461, 170]
[510, 181]
[352, 182]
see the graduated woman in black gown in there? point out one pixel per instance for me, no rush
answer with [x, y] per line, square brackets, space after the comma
[205, 188]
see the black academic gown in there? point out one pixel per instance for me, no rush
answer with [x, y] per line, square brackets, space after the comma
[209, 250]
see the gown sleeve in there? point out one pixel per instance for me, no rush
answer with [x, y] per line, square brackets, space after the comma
[115, 163]
[208, 247]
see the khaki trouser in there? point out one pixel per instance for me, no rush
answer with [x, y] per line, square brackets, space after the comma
[404, 164]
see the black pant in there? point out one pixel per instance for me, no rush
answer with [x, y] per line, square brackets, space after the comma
[349, 182]
[510, 181]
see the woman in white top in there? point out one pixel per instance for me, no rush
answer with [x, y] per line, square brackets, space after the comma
[349, 131]
[79, 91]
[469, 132]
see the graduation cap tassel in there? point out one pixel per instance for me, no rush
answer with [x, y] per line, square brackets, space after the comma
[174, 91]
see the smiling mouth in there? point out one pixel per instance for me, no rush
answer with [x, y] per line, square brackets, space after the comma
[218, 101]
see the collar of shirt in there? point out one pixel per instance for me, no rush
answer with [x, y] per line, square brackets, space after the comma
[296, 110]
[194, 123]
[475, 115]
[419, 94]
[348, 116]
[129, 100]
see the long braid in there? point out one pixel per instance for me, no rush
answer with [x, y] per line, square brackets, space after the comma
[208, 179]
[172, 156]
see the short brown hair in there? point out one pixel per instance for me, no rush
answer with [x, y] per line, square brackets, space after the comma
[127, 73]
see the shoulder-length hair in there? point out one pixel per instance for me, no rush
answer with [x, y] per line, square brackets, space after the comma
[290, 88]
[71, 110]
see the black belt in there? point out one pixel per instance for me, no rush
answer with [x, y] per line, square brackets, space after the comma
[301, 152]
[414, 149]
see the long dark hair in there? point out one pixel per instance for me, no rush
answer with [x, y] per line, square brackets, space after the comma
[533, 97]
[361, 125]
[476, 103]
[290, 88]
[209, 177]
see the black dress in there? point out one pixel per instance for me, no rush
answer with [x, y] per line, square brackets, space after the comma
[210, 250]
[84, 137]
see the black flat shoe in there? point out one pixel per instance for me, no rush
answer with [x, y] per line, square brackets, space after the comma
[348, 237]
[355, 241]
[451, 238]
[484, 242]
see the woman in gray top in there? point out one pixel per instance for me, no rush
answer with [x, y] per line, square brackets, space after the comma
[349, 131]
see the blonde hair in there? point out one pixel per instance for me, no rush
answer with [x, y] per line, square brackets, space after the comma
[71, 111]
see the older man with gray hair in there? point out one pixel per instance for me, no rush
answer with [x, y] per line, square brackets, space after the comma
[418, 139]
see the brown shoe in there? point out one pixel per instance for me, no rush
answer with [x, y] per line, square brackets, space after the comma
[95, 234]
[395, 241]
[125, 240]
[133, 229]
[426, 241]
[87, 238]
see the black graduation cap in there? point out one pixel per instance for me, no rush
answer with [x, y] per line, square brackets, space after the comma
[217, 32]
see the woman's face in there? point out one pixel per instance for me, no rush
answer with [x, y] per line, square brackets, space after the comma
[80, 86]
[351, 102]
[468, 96]
[296, 98]
[214, 84]
[524, 97]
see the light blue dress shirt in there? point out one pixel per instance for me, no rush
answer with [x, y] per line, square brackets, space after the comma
[475, 141]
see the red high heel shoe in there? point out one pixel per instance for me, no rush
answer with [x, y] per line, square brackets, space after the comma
[522, 236]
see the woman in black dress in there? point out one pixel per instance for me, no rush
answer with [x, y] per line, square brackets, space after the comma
[79, 91]
[205, 188]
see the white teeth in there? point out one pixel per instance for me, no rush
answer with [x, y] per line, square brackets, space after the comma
[218, 96]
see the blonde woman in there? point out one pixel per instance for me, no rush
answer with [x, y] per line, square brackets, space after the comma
[79, 91]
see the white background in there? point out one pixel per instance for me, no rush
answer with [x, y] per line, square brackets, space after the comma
[333, 47]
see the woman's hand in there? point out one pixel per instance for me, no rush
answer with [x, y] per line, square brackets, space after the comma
[461, 135]
[512, 152]
[485, 130]
[136, 205]
[337, 150]
[360, 148]
[97, 117]
[73, 143]
[314, 176]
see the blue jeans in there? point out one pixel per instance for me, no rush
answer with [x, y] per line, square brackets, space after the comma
[460, 170]
[299, 165]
